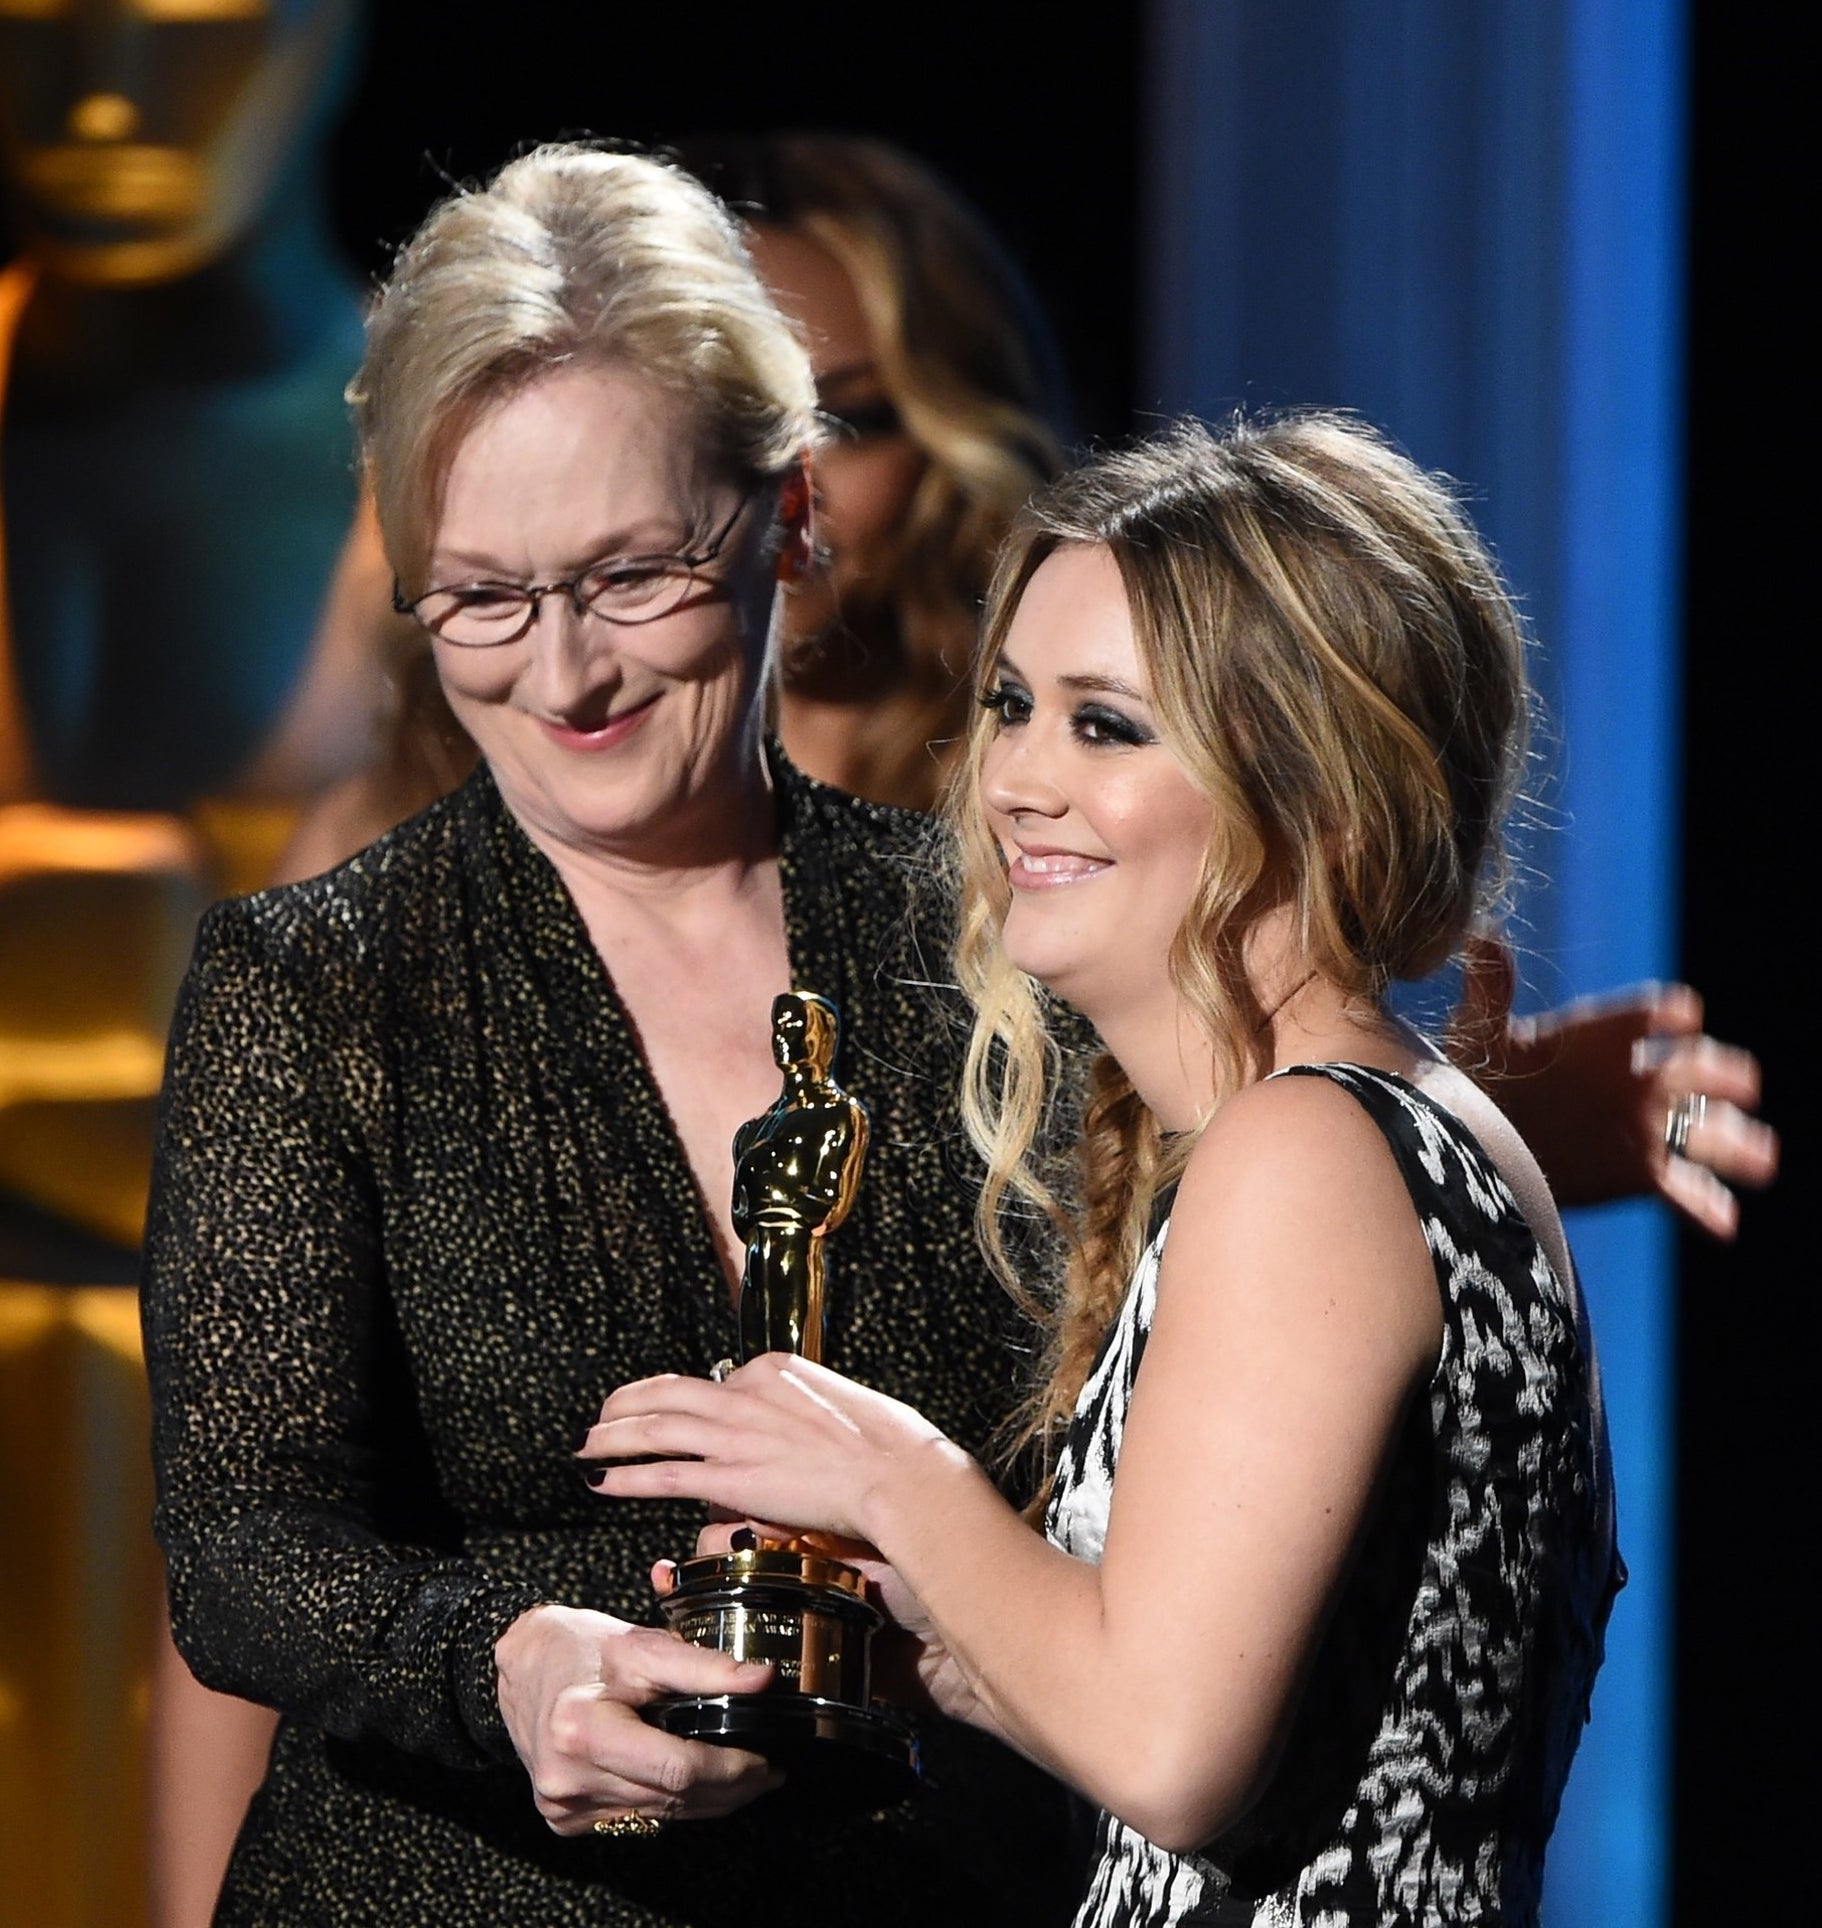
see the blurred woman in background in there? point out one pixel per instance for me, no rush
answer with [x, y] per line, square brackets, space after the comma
[946, 408]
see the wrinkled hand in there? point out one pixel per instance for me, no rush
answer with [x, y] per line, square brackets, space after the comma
[1590, 1086]
[571, 1683]
[781, 1439]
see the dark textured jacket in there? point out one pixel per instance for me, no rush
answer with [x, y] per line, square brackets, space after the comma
[418, 1208]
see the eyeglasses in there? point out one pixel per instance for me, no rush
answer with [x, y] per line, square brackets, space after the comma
[625, 590]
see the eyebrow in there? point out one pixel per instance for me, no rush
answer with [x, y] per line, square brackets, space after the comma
[1105, 685]
[1093, 685]
[623, 544]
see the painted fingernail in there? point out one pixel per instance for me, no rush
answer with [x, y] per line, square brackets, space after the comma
[591, 1475]
[579, 1438]
[743, 1539]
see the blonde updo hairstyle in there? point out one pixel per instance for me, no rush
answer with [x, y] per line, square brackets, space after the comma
[1333, 659]
[572, 253]
[960, 347]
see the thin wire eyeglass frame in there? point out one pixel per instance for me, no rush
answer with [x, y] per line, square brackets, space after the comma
[683, 570]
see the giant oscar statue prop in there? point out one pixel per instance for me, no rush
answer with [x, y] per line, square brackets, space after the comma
[790, 1602]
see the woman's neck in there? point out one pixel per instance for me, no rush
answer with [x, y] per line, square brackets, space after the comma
[864, 658]
[896, 750]
[1302, 1017]
[711, 857]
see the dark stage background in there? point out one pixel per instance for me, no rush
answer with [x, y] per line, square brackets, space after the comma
[1038, 124]
[1747, 1397]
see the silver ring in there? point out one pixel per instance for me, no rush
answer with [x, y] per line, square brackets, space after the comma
[721, 1369]
[1681, 1119]
[629, 1826]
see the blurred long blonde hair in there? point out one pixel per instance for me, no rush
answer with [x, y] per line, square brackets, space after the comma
[1334, 660]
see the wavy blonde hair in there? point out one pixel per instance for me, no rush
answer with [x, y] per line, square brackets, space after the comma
[1333, 659]
[571, 253]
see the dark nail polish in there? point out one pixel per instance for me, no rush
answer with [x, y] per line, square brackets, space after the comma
[743, 1539]
[579, 1438]
[591, 1475]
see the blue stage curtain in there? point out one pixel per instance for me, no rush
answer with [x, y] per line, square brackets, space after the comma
[1466, 223]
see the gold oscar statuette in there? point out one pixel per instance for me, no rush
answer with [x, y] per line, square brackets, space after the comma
[792, 1602]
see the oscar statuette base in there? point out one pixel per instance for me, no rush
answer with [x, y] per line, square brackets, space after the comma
[864, 1757]
[808, 1616]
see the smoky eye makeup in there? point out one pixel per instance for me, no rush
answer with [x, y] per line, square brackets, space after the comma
[1099, 723]
[1010, 702]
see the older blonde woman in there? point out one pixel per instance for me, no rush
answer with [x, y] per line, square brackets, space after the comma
[446, 1137]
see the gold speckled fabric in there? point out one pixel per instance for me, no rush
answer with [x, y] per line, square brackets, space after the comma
[418, 1208]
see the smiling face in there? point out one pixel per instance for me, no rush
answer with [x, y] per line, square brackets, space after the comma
[1103, 832]
[633, 741]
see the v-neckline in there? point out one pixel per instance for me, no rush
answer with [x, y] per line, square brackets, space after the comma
[603, 1048]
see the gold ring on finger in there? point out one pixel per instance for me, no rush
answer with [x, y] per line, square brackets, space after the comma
[629, 1826]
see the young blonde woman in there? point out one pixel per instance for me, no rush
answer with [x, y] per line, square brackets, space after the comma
[1328, 1549]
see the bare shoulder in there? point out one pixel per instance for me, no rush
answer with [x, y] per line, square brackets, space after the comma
[1289, 1141]
[1292, 1206]
[337, 824]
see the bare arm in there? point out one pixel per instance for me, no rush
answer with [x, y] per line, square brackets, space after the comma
[333, 827]
[205, 1756]
[1297, 1312]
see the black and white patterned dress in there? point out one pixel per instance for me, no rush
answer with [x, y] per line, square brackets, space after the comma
[1433, 1738]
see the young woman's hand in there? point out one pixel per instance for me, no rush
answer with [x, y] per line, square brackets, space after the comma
[781, 1439]
[571, 1684]
[1592, 1087]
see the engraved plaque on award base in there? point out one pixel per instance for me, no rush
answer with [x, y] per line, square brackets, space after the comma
[796, 1170]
